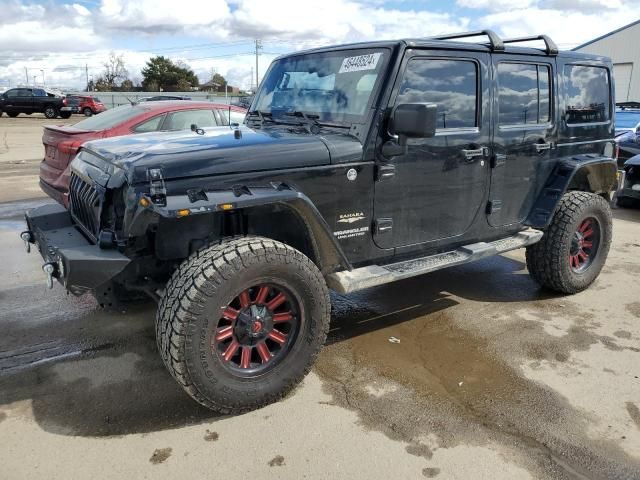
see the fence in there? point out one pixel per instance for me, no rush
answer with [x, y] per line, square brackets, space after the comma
[114, 99]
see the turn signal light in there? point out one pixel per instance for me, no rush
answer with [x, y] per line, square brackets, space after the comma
[144, 202]
[226, 206]
[183, 213]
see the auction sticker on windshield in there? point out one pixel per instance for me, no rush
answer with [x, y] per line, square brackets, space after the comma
[361, 62]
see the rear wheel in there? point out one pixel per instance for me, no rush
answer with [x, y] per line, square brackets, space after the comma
[575, 245]
[87, 112]
[624, 202]
[241, 322]
[50, 112]
[65, 115]
[13, 114]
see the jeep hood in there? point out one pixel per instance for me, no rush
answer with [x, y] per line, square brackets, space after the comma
[219, 151]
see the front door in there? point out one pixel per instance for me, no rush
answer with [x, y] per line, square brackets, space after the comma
[438, 187]
[524, 137]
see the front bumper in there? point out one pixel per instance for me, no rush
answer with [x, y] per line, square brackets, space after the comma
[74, 261]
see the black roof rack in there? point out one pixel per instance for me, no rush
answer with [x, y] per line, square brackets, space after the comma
[550, 47]
[497, 44]
[495, 41]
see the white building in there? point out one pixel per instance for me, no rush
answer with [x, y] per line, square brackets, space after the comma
[623, 47]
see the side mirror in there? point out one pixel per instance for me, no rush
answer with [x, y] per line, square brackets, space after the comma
[414, 120]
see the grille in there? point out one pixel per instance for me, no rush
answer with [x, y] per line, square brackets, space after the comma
[85, 204]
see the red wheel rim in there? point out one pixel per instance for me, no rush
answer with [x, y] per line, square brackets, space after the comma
[256, 329]
[584, 245]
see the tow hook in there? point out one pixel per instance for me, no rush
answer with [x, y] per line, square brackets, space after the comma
[49, 269]
[27, 238]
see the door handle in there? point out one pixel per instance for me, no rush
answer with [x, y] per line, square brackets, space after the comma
[472, 153]
[540, 147]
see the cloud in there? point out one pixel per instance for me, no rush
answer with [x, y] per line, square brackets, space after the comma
[56, 35]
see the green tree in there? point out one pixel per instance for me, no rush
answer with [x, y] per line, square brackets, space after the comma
[165, 75]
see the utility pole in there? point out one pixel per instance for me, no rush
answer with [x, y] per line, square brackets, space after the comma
[26, 75]
[251, 80]
[258, 48]
[86, 72]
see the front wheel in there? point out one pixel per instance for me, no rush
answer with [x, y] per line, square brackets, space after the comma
[241, 322]
[65, 115]
[575, 245]
[87, 112]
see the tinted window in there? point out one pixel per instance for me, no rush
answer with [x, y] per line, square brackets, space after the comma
[184, 119]
[150, 125]
[12, 93]
[451, 84]
[111, 118]
[23, 92]
[38, 92]
[523, 94]
[587, 94]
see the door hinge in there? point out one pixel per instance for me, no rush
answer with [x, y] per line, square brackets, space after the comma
[385, 172]
[498, 160]
[494, 206]
[384, 225]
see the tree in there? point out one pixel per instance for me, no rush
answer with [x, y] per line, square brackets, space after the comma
[115, 71]
[126, 86]
[165, 75]
[102, 85]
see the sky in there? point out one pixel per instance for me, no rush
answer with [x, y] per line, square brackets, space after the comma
[58, 41]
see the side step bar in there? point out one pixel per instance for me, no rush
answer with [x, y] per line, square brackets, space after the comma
[348, 281]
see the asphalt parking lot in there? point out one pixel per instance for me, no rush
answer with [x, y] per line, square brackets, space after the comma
[491, 378]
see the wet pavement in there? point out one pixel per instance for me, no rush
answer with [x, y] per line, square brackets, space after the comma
[471, 372]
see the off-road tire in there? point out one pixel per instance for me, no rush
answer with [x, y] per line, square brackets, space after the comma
[50, 112]
[548, 260]
[202, 285]
[13, 114]
[65, 115]
[87, 112]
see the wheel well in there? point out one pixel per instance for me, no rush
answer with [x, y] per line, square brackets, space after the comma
[177, 238]
[597, 178]
[283, 225]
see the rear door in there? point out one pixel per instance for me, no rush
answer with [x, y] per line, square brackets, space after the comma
[525, 135]
[23, 101]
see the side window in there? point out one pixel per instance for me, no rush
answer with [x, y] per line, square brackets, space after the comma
[24, 92]
[38, 92]
[236, 117]
[586, 94]
[183, 119]
[451, 84]
[523, 94]
[150, 125]
[13, 93]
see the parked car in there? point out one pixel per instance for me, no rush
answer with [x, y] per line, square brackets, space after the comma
[628, 194]
[30, 100]
[163, 97]
[358, 165]
[627, 146]
[85, 104]
[61, 142]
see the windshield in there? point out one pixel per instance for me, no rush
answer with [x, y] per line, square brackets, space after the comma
[335, 86]
[627, 119]
[110, 118]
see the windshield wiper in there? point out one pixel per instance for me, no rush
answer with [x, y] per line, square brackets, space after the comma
[310, 119]
[261, 114]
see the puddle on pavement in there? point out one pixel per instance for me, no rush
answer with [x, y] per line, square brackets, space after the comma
[453, 381]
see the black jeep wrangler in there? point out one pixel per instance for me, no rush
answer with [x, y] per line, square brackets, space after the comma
[357, 165]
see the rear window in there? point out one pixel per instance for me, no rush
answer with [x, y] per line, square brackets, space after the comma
[110, 118]
[586, 94]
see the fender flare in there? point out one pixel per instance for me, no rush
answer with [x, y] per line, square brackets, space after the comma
[328, 252]
[596, 174]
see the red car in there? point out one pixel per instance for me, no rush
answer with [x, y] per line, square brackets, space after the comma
[85, 104]
[61, 143]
